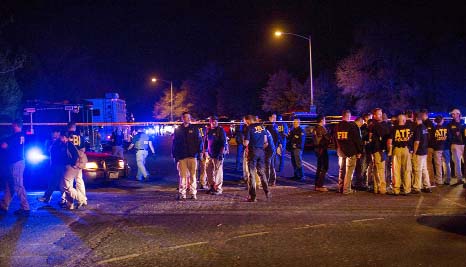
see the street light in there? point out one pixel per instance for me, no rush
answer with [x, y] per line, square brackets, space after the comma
[279, 34]
[154, 80]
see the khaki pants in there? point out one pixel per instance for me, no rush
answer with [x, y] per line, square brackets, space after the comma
[202, 171]
[347, 166]
[401, 169]
[442, 166]
[70, 192]
[215, 174]
[80, 186]
[187, 170]
[141, 156]
[430, 164]
[14, 185]
[457, 152]
[379, 173]
[421, 175]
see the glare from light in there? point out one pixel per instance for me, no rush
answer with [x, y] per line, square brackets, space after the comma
[278, 33]
[35, 155]
[91, 165]
[121, 164]
[153, 80]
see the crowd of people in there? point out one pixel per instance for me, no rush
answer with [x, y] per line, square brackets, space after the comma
[407, 154]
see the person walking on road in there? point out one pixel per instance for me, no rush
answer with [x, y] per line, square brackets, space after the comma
[283, 131]
[117, 143]
[256, 141]
[215, 145]
[69, 157]
[321, 142]
[378, 135]
[399, 146]
[141, 142]
[349, 149]
[78, 141]
[13, 147]
[187, 146]
[456, 129]
[441, 146]
[421, 145]
[270, 171]
[297, 138]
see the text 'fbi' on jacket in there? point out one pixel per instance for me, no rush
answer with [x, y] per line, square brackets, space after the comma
[75, 139]
[342, 135]
[258, 129]
[402, 135]
[441, 134]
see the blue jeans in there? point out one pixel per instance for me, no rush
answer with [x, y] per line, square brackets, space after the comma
[297, 162]
[256, 159]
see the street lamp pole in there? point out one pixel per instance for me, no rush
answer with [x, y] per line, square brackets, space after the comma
[171, 101]
[311, 84]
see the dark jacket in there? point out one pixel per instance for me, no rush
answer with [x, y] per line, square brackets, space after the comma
[69, 155]
[456, 132]
[297, 137]
[273, 129]
[216, 142]
[187, 142]
[349, 142]
[379, 133]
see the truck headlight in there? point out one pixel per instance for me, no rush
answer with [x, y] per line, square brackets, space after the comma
[121, 164]
[91, 166]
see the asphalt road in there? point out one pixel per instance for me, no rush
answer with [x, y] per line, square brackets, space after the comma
[141, 224]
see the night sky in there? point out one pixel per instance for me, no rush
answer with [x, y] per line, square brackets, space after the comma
[126, 42]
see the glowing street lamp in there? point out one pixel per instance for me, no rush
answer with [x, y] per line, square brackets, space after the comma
[154, 80]
[279, 34]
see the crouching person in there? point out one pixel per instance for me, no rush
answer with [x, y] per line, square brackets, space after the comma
[70, 158]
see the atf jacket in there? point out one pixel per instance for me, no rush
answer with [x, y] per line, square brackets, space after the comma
[348, 139]
[297, 138]
[187, 142]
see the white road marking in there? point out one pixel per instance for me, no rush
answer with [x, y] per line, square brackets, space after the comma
[310, 226]
[118, 258]
[250, 235]
[367, 220]
[188, 245]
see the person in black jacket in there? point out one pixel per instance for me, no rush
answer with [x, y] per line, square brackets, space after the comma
[455, 130]
[349, 149]
[187, 145]
[321, 142]
[297, 138]
[13, 149]
[270, 154]
[216, 142]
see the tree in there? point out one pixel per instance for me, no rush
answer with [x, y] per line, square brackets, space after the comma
[10, 93]
[284, 93]
[327, 96]
[180, 104]
[383, 71]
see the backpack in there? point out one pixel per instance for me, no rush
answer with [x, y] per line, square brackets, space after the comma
[82, 158]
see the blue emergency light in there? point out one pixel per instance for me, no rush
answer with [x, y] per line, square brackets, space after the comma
[35, 155]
